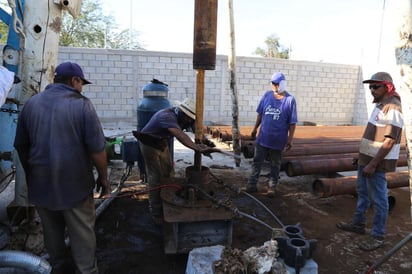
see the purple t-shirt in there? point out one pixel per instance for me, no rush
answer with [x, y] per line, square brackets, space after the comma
[277, 116]
[160, 122]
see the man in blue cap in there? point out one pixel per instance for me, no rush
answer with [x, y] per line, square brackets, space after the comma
[277, 118]
[59, 139]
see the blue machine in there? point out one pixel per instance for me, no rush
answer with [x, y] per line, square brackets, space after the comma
[154, 99]
[8, 124]
[9, 111]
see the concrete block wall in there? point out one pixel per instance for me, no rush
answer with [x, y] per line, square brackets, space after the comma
[326, 94]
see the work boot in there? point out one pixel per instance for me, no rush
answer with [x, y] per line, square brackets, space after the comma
[271, 192]
[351, 227]
[371, 243]
[251, 188]
[271, 188]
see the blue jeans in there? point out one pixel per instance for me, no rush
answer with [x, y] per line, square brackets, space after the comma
[261, 153]
[372, 190]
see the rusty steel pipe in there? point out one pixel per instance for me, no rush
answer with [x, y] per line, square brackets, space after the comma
[226, 136]
[326, 166]
[353, 155]
[287, 159]
[326, 140]
[316, 149]
[309, 132]
[320, 157]
[321, 148]
[321, 131]
[300, 167]
[326, 187]
[299, 150]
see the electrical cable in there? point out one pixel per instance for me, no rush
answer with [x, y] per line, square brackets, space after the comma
[3, 183]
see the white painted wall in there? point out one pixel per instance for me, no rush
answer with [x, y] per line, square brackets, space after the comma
[326, 94]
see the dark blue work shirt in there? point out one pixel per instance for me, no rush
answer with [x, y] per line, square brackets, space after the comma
[160, 122]
[60, 129]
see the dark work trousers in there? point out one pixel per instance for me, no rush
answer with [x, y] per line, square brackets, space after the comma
[158, 166]
[275, 158]
[79, 222]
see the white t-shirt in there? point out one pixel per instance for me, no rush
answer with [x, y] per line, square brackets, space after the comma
[6, 82]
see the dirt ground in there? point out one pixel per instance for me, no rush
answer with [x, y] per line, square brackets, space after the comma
[129, 242]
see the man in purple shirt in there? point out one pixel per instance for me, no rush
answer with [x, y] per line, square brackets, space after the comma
[277, 118]
[163, 125]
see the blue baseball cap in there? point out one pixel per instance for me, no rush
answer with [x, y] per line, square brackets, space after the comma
[277, 77]
[70, 69]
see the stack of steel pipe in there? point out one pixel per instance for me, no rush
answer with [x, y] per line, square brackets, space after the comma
[326, 187]
[315, 150]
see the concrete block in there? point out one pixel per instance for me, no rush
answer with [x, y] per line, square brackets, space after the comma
[200, 259]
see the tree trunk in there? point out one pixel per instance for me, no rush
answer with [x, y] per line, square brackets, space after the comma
[403, 50]
[40, 47]
[233, 86]
[42, 24]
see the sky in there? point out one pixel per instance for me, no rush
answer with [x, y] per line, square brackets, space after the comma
[333, 31]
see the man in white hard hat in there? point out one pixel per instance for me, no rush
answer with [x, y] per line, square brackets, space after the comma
[153, 142]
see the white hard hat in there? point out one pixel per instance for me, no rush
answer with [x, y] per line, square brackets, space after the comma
[188, 106]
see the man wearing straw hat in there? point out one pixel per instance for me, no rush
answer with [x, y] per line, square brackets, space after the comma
[153, 142]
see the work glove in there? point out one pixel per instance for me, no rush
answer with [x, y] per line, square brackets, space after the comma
[206, 150]
[208, 142]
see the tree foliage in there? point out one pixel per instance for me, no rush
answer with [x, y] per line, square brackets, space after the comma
[4, 29]
[92, 29]
[273, 49]
[4, 32]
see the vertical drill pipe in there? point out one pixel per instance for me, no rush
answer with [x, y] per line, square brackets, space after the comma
[204, 58]
[200, 86]
[205, 30]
